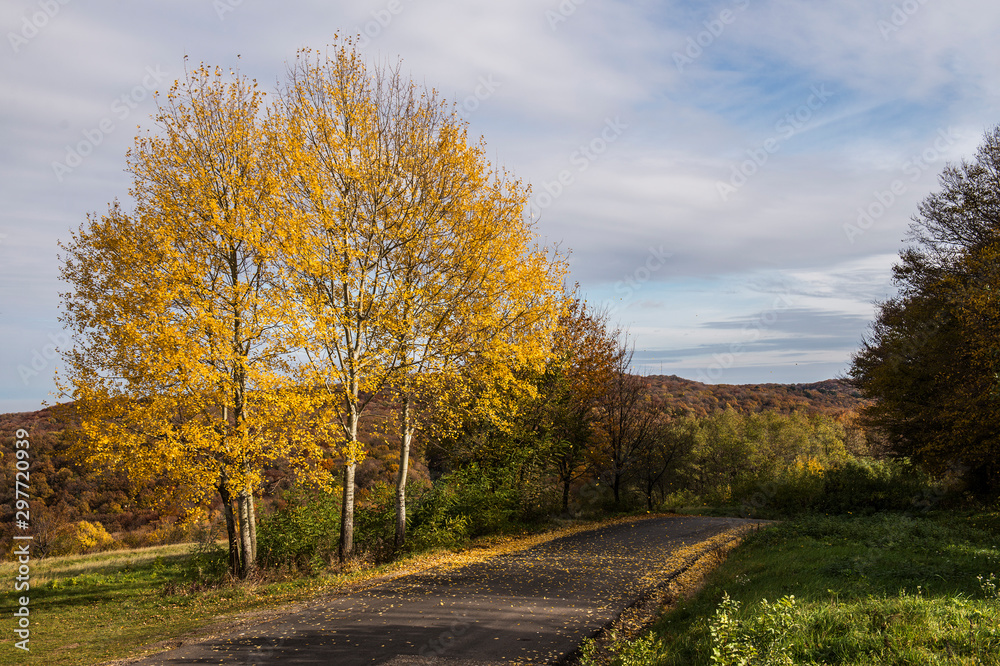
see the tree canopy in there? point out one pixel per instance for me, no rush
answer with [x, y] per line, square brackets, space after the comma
[931, 361]
[285, 263]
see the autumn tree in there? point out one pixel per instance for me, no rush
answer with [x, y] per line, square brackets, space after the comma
[578, 370]
[930, 361]
[409, 253]
[624, 419]
[482, 299]
[179, 310]
[476, 292]
[667, 446]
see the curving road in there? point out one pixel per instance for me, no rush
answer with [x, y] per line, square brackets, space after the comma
[533, 606]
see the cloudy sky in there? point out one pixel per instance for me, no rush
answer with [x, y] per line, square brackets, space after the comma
[734, 178]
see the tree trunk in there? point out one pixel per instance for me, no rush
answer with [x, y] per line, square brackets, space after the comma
[346, 550]
[253, 527]
[244, 502]
[404, 463]
[347, 513]
[566, 482]
[234, 544]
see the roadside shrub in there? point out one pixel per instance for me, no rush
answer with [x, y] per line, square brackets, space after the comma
[375, 521]
[801, 487]
[450, 532]
[680, 499]
[642, 651]
[209, 561]
[761, 638]
[81, 538]
[303, 533]
[855, 487]
[866, 486]
[438, 521]
[468, 503]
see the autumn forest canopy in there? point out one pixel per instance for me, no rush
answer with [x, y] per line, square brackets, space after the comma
[327, 313]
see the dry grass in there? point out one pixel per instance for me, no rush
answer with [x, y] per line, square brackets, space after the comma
[50, 569]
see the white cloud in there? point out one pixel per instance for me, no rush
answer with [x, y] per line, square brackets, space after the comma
[656, 186]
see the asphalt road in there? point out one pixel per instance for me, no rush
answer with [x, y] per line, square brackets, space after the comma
[533, 606]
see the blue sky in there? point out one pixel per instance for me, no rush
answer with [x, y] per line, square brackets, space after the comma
[734, 178]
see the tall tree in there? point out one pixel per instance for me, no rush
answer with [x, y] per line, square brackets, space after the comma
[484, 298]
[624, 419]
[179, 309]
[670, 441]
[578, 371]
[410, 253]
[930, 361]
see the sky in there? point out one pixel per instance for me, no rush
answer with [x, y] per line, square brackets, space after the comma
[732, 180]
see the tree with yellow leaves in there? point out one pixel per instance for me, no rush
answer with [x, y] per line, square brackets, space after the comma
[408, 254]
[180, 310]
[483, 301]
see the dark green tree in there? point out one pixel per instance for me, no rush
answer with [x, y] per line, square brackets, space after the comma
[931, 361]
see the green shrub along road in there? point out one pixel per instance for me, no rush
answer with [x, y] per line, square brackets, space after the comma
[876, 589]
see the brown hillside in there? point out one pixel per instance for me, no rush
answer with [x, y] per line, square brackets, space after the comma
[832, 396]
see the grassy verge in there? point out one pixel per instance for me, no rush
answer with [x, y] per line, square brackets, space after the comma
[90, 609]
[882, 589]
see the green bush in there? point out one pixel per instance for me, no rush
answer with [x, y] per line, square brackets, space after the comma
[375, 521]
[861, 486]
[438, 520]
[642, 651]
[761, 638]
[304, 533]
[849, 487]
[468, 503]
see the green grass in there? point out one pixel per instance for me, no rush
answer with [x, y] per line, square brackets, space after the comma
[882, 589]
[92, 608]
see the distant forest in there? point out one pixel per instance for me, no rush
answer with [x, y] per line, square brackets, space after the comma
[63, 491]
[684, 396]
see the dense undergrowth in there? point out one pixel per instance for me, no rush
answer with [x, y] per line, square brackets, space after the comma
[467, 504]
